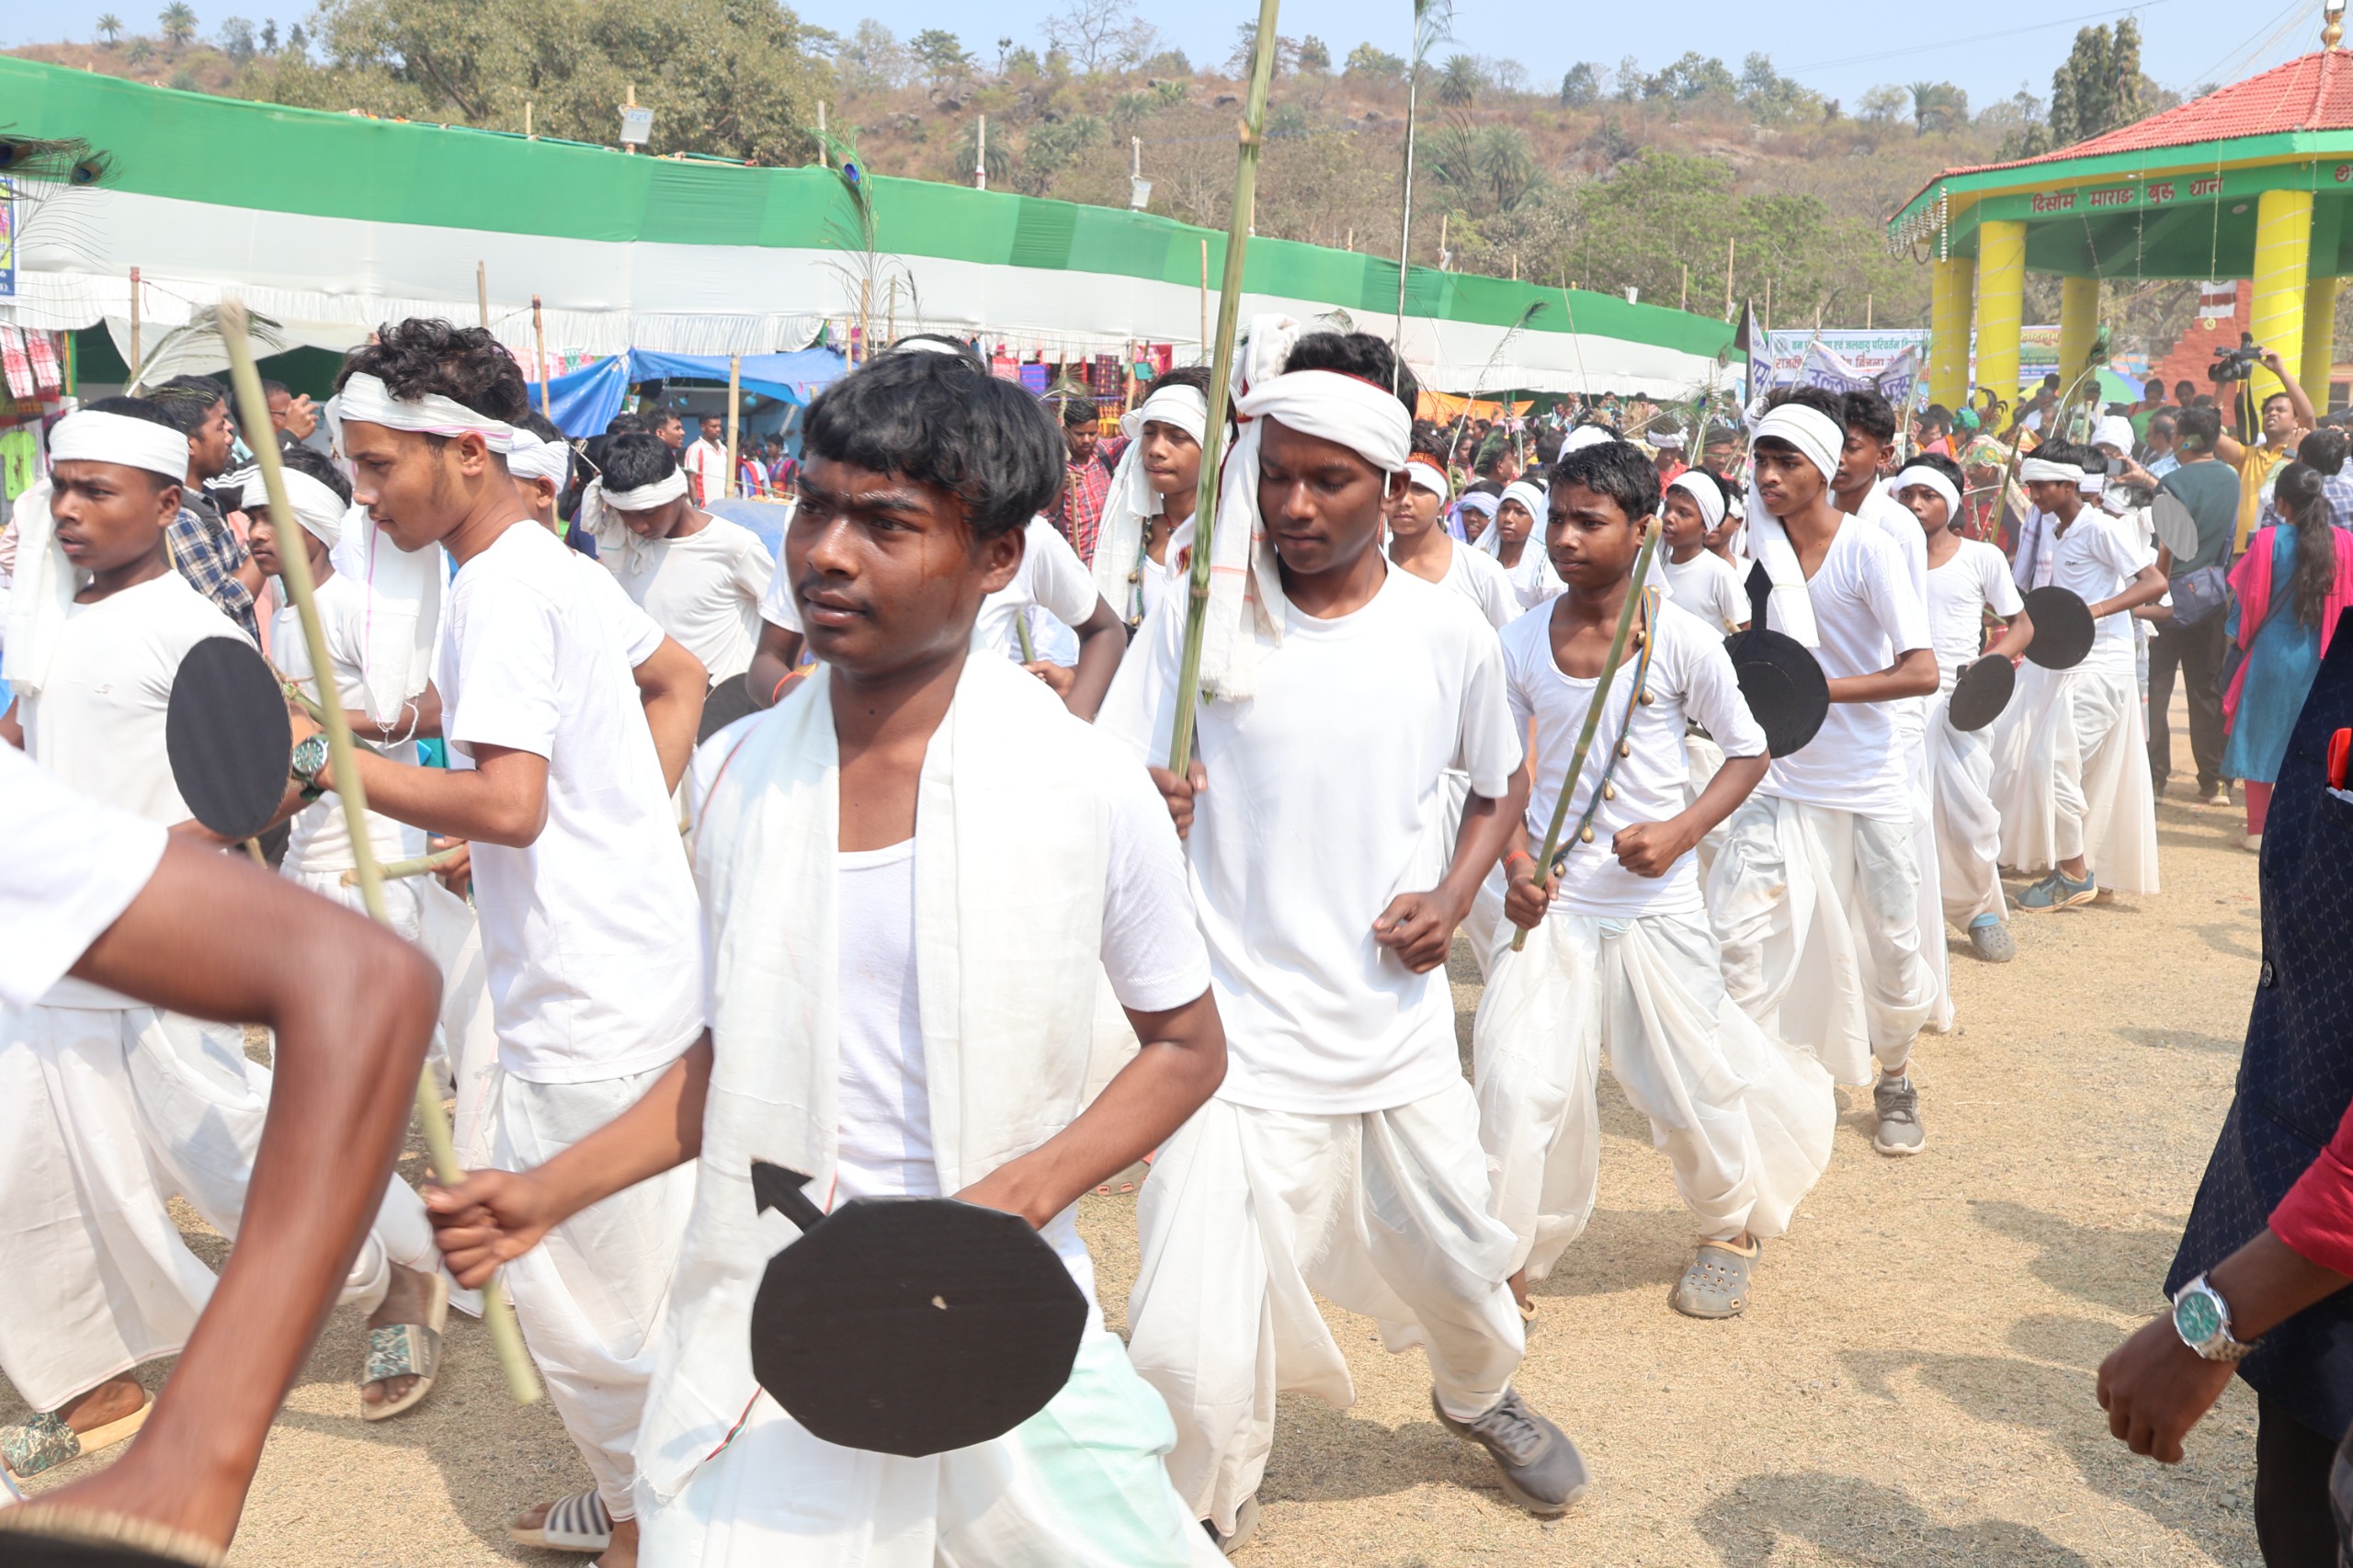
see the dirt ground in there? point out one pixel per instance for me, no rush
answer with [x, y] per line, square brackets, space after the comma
[1912, 1384]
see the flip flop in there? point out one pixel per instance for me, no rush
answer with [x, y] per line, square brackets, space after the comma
[577, 1523]
[1126, 1181]
[44, 1441]
[404, 1350]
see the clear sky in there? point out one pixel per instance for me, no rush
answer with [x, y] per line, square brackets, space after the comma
[1841, 48]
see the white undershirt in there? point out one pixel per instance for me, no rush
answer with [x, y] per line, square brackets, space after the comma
[1976, 578]
[702, 588]
[320, 838]
[1480, 578]
[2094, 560]
[72, 868]
[1707, 587]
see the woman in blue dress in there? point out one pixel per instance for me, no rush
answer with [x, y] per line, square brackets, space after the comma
[2288, 591]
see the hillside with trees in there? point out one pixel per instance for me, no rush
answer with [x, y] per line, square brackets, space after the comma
[1689, 182]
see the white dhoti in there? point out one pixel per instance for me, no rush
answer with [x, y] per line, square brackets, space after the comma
[2071, 777]
[108, 1113]
[1746, 1120]
[1249, 1214]
[591, 1295]
[1704, 759]
[1082, 1483]
[1912, 740]
[1818, 913]
[1968, 828]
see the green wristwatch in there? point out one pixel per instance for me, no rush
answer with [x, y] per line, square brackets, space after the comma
[310, 755]
[2203, 1320]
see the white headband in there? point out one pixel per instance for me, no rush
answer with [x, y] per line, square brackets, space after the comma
[366, 399]
[2116, 431]
[1585, 436]
[1430, 477]
[2040, 470]
[530, 457]
[1355, 414]
[1528, 496]
[1705, 493]
[645, 497]
[1178, 407]
[1927, 478]
[88, 436]
[1814, 434]
[316, 508]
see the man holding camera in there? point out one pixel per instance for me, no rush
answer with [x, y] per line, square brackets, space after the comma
[2286, 413]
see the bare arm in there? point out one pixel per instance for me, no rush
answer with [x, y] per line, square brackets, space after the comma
[494, 1217]
[503, 798]
[1419, 926]
[775, 662]
[672, 684]
[1652, 848]
[1913, 674]
[1101, 641]
[1181, 1064]
[2014, 638]
[353, 1007]
[2147, 586]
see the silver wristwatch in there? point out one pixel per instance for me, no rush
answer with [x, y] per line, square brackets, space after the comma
[2203, 1320]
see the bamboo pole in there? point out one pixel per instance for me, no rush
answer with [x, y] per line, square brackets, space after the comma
[1229, 313]
[138, 357]
[482, 292]
[540, 347]
[1205, 298]
[1406, 225]
[505, 1337]
[734, 414]
[394, 870]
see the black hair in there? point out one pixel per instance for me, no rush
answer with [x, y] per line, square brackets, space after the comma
[312, 463]
[142, 409]
[1078, 411]
[1548, 449]
[2272, 397]
[625, 425]
[1357, 354]
[661, 419]
[935, 343]
[1938, 414]
[941, 421]
[426, 356]
[184, 401]
[2200, 425]
[1194, 376]
[2301, 501]
[2089, 459]
[1615, 469]
[270, 389]
[539, 425]
[1939, 463]
[2324, 449]
[637, 459]
[1830, 404]
[2168, 421]
[1870, 413]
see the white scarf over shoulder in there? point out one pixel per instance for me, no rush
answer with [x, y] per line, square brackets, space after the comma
[1131, 501]
[1012, 840]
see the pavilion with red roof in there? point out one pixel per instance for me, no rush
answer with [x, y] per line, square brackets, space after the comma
[2253, 181]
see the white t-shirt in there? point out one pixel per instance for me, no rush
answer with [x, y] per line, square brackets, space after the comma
[1480, 579]
[1690, 676]
[98, 723]
[1051, 578]
[1151, 951]
[1533, 581]
[72, 868]
[1960, 592]
[1899, 523]
[1325, 802]
[702, 588]
[591, 933]
[706, 461]
[2094, 560]
[319, 838]
[1866, 614]
[1707, 587]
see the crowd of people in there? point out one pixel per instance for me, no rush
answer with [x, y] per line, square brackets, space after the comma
[1022, 849]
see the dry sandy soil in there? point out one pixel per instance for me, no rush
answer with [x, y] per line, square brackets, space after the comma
[1912, 1384]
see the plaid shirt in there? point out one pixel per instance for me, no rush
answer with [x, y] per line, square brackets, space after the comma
[1079, 514]
[207, 555]
[2336, 488]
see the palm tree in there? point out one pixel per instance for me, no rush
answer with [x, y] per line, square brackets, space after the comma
[178, 23]
[111, 25]
[1506, 165]
[1459, 80]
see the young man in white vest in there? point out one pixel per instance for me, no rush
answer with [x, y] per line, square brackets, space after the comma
[920, 802]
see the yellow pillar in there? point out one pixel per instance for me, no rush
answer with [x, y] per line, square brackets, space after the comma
[2283, 234]
[2001, 301]
[2320, 340]
[2078, 323]
[1949, 285]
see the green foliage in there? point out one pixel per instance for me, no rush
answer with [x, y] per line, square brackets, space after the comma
[140, 52]
[178, 23]
[1772, 98]
[1581, 86]
[1168, 63]
[1054, 147]
[1022, 62]
[236, 41]
[1459, 80]
[940, 53]
[1313, 55]
[2098, 86]
[184, 81]
[110, 27]
[1693, 77]
[1376, 64]
[967, 157]
[1938, 105]
[725, 77]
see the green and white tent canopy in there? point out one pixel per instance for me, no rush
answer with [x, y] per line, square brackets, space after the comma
[331, 223]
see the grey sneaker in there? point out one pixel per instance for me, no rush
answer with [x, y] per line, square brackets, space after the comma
[1245, 1525]
[1540, 1468]
[1990, 939]
[1898, 1103]
[1716, 1285]
[2058, 890]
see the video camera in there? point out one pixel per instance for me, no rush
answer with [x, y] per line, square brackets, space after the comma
[2236, 364]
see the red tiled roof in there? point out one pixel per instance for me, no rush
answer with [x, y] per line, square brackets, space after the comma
[2311, 92]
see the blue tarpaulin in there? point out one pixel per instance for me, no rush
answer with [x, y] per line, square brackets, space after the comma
[585, 401]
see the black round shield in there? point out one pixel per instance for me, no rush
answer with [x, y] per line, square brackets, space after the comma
[724, 704]
[50, 1537]
[2063, 628]
[228, 737]
[1783, 685]
[914, 1325]
[1981, 692]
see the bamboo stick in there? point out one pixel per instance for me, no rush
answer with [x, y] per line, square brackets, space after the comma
[734, 414]
[540, 347]
[1229, 313]
[395, 870]
[506, 1338]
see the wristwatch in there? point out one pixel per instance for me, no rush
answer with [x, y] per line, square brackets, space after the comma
[2203, 1320]
[310, 755]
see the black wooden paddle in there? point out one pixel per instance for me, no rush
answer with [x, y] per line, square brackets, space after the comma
[2063, 628]
[39, 1535]
[1980, 693]
[228, 737]
[910, 1326]
[1781, 681]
